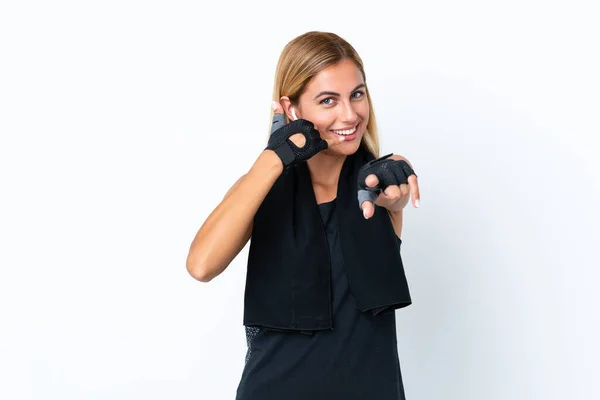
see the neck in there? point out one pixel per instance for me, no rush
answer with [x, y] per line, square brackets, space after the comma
[325, 169]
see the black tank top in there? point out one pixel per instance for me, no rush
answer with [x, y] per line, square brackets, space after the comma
[357, 359]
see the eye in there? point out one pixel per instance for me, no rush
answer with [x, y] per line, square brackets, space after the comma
[359, 92]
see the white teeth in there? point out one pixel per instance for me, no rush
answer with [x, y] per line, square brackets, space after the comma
[346, 132]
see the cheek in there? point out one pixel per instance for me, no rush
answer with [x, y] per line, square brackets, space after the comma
[364, 112]
[323, 125]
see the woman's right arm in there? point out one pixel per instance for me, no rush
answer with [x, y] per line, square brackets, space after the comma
[229, 227]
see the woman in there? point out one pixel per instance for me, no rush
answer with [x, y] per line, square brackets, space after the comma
[323, 278]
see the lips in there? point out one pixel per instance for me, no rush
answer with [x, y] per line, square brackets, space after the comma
[347, 136]
[345, 132]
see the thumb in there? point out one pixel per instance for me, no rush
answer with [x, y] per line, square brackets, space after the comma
[278, 117]
[368, 209]
[366, 198]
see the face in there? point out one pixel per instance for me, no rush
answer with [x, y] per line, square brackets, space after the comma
[335, 101]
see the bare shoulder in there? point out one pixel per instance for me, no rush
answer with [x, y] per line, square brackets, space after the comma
[399, 157]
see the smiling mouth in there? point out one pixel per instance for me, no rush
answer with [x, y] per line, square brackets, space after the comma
[345, 132]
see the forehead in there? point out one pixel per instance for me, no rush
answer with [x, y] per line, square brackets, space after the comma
[341, 78]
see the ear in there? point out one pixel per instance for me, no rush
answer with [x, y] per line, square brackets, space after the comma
[286, 104]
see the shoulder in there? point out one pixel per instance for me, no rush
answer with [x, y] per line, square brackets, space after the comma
[399, 157]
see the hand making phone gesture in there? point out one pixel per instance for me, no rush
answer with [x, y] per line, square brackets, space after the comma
[297, 141]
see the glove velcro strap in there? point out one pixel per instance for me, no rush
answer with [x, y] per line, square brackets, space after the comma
[284, 151]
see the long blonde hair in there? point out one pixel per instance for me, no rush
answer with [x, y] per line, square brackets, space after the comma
[303, 58]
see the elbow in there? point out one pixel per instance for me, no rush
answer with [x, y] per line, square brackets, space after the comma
[198, 271]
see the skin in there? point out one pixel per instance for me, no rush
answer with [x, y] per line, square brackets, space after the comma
[229, 227]
[329, 112]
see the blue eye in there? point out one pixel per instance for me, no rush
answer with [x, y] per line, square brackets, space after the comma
[331, 98]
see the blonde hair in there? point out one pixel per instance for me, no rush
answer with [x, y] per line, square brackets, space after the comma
[303, 58]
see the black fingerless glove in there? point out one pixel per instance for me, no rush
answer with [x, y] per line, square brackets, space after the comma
[388, 172]
[288, 152]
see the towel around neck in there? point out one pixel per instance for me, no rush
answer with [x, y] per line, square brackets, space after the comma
[288, 276]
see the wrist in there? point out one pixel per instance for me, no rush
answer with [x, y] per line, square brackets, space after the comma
[395, 208]
[395, 212]
[270, 161]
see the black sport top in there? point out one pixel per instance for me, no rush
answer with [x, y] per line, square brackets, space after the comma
[356, 360]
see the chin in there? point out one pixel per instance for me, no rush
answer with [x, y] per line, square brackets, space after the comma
[345, 149]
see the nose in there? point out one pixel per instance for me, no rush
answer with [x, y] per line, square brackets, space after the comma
[347, 113]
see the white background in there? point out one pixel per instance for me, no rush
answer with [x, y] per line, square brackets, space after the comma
[125, 122]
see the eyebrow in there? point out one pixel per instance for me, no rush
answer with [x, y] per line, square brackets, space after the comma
[337, 94]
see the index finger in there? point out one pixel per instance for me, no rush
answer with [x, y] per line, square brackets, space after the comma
[334, 142]
[414, 190]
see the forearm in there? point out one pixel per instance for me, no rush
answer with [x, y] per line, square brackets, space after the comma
[396, 217]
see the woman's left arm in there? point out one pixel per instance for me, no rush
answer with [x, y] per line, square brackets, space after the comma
[396, 217]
